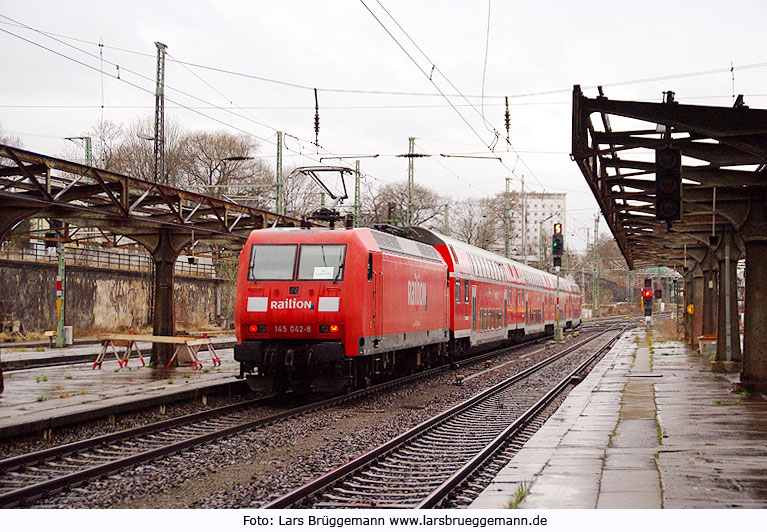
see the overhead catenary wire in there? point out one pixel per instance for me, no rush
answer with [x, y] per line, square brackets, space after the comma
[167, 86]
[542, 92]
[224, 96]
[134, 85]
[434, 67]
[483, 95]
[129, 83]
[491, 145]
[367, 175]
[194, 110]
[440, 163]
[101, 72]
[335, 107]
[428, 76]
[484, 66]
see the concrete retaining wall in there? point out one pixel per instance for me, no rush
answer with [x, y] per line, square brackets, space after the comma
[104, 299]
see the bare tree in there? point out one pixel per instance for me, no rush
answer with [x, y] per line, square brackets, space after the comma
[220, 163]
[427, 205]
[135, 154]
[476, 223]
[302, 196]
[10, 140]
[106, 137]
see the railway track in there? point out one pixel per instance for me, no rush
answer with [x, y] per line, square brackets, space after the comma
[30, 476]
[421, 467]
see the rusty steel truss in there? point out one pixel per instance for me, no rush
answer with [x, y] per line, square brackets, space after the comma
[38, 186]
[724, 151]
[163, 219]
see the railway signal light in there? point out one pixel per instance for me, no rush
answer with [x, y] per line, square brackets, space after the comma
[668, 184]
[647, 293]
[647, 301]
[557, 244]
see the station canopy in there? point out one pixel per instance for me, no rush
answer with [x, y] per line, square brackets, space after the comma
[724, 150]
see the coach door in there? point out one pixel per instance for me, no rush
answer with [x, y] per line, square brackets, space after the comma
[505, 302]
[474, 308]
[527, 308]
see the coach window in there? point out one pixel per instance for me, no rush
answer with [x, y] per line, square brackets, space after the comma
[457, 291]
[321, 262]
[272, 262]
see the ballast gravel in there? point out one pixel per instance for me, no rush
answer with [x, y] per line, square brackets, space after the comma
[248, 470]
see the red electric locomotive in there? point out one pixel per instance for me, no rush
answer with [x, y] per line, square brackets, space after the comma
[325, 309]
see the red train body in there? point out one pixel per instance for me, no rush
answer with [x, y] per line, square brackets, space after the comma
[323, 309]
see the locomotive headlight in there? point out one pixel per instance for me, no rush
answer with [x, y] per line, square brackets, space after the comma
[334, 328]
[329, 328]
[253, 328]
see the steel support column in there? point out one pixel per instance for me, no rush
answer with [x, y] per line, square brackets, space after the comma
[697, 303]
[165, 248]
[754, 375]
[728, 329]
[688, 300]
[709, 293]
[754, 234]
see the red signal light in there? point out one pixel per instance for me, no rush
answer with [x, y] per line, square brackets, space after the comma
[647, 293]
[334, 328]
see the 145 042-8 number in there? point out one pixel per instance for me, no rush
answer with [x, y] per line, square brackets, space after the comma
[293, 328]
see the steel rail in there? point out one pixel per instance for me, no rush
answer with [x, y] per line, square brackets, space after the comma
[30, 460]
[434, 498]
[331, 478]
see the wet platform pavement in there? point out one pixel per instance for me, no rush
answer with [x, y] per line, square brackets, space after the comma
[650, 427]
[47, 397]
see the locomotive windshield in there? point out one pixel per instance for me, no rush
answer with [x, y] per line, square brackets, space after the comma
[322, 261]
[272, 262]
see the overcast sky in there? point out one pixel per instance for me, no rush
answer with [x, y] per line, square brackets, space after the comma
[533, 53]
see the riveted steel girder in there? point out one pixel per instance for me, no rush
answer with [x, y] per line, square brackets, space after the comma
[42, 186]
[724, 153]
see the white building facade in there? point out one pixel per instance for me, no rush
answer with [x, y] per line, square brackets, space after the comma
[541, 210]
